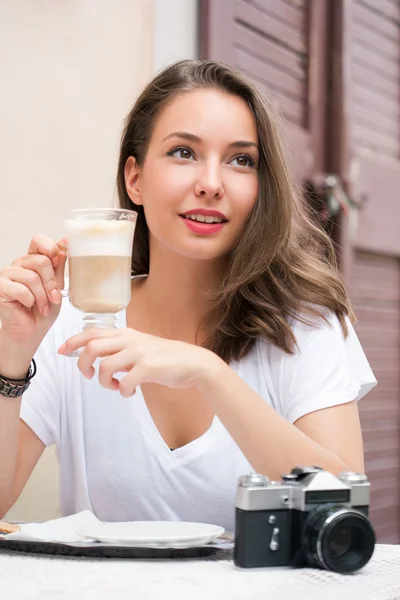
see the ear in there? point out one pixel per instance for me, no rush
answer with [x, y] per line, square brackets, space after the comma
[131, 173]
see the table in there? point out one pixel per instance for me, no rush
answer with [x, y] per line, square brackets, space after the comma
[36, 577]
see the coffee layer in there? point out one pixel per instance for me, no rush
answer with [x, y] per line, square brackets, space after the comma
[100, 284]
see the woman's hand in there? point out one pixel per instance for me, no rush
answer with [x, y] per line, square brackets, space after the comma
[144, 358]
[30, 295]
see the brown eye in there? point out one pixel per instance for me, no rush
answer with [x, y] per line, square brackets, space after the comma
[182, 152]
[243, 161]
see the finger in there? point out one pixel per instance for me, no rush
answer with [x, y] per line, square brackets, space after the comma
[41, 244]
[60, 267]
[97, 349]
[81, 339]
[136, 376]
[32, 282]
[119, 362]
[12, 292]
[42, 265]
[62, 244]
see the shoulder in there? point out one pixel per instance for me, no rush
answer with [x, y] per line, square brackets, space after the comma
[312, 333]
[326, 368]
[322, 346]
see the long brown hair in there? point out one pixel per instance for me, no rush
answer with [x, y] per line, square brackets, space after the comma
[283, 266]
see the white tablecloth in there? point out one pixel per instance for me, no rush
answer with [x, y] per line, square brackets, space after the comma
[28, 577]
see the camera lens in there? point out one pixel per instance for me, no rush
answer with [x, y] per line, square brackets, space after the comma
[341, 541]
[337, 539]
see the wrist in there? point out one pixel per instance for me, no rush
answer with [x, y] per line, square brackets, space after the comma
[210, 371]
[15, 358]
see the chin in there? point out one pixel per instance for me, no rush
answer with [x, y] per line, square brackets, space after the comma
[191, 247]
[204, 253]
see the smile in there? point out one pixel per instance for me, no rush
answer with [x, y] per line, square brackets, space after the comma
[203, 225]
[204, 218]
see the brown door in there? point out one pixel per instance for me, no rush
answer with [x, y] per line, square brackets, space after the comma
[280, 46]
[366, 153]
[333, 68]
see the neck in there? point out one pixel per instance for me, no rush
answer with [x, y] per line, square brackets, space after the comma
[175, 294]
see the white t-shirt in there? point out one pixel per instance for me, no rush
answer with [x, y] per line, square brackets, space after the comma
[114, 462]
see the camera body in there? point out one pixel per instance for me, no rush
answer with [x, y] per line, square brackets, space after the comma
[310, 517]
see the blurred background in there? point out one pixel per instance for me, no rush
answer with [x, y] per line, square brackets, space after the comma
[71, 70]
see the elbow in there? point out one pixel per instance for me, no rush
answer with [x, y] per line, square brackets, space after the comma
[337, 466]
[354, 464]
[333, 464]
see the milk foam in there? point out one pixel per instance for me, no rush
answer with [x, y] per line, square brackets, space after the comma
[99, 238]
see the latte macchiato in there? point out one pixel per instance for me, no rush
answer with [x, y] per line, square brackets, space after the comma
[99, 253]
[100, 284]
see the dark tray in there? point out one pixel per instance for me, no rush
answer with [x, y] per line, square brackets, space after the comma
[107, 551]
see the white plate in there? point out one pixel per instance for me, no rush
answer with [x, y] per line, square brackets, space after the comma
[154, 534]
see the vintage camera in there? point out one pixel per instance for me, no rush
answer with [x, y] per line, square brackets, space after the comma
[309, 518]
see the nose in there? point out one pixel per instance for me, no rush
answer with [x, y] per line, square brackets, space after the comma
[209, 183]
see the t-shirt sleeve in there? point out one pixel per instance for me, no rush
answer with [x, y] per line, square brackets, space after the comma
[326, 370]
[41, 403]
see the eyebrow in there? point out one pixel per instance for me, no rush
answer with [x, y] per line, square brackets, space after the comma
[190, 137]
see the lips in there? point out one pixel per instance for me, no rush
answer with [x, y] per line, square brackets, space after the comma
[203, 215]
[203, 221]
[202, 227]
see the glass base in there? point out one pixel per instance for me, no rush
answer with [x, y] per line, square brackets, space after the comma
[101, 321]
[98, 321]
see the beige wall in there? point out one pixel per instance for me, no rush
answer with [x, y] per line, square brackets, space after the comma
[69, 71]
[175, 31]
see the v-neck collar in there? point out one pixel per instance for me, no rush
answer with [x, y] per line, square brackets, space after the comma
[193, 448]
[188, 451]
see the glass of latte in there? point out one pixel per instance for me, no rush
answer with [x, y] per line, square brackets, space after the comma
[99, 243]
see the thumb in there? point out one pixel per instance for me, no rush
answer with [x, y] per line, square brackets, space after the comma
[62, 259]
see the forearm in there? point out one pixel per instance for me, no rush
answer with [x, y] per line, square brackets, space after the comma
[9, 428]
[271, 444]
[14, 363]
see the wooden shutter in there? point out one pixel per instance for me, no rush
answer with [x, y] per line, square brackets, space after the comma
[333, 67]
[366, 137]
[280, 46]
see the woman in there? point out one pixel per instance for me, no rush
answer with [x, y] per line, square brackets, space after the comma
[237, 341]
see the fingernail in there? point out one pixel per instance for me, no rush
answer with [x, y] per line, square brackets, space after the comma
[62, 349]
[55, 296]
[62, 247]
[46, 310]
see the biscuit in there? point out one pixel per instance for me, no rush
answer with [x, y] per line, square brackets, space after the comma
[8, 527]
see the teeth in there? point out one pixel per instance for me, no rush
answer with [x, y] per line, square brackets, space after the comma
[204, 219]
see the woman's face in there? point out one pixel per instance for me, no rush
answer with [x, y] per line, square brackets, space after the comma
[199, 180]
